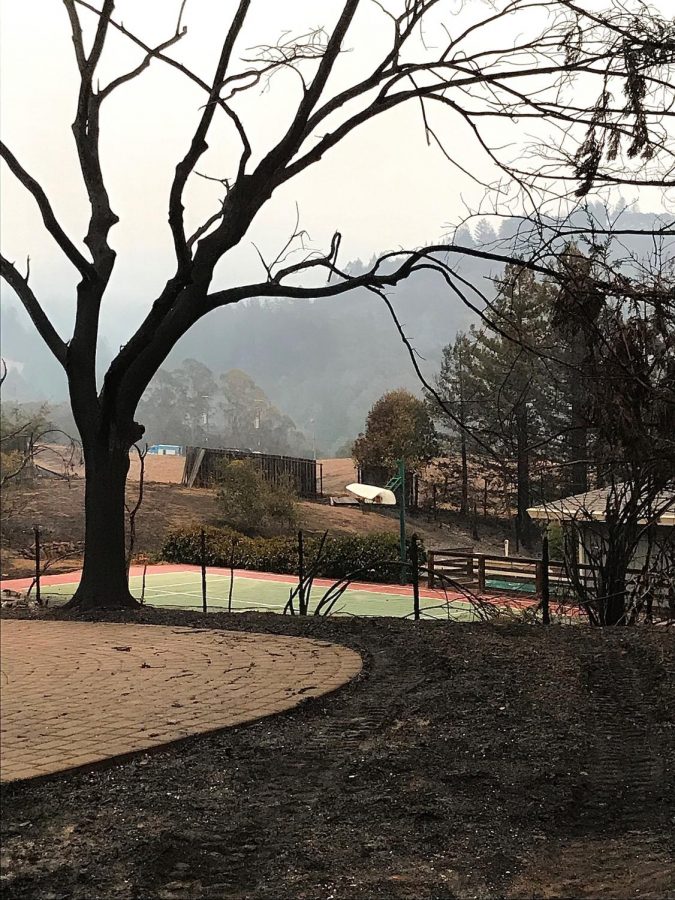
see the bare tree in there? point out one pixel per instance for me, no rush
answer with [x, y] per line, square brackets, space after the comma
[619, 553]
[132, 511]
[468, 71]
[629, 371]
[26, 438]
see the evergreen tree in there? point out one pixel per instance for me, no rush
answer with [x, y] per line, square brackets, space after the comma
[251, 422]
[178, 403]
[187, 405]
[508, 377]
[485, 235]
[454, 388]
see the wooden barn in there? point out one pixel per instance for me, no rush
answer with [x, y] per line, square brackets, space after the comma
[202, 465]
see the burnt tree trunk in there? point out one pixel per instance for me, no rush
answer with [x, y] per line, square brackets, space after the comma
[104, 581]
[579, 439]
[523, 521]
[613, 563]
[613, 604]
[464, 506]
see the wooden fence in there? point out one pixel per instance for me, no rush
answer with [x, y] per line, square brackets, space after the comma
[511, 574]
[202, 465]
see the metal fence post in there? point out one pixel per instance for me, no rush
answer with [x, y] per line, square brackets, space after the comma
[38, 565]
[401, 475]
[414, 559]
[301, 574]
[431, 580]
[203, 554]
[229, 595]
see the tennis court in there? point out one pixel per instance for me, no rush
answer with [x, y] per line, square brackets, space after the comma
[181, 588]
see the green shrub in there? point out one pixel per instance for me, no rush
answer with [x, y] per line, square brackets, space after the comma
[377, 554]
[556, 542]
[251, 504]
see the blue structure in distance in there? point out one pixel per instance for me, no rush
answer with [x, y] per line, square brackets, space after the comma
[166, 450]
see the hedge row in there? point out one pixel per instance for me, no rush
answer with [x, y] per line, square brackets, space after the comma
[342, 555]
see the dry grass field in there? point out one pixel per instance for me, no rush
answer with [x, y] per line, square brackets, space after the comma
[58, 507]
[337, 473]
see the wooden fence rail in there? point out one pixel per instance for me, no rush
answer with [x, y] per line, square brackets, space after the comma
[511, 574]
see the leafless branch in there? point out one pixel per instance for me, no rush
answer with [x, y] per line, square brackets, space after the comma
[70, 250]
[32, 306]
[132, 511]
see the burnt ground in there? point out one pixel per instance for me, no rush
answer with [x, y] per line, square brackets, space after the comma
[466, 761]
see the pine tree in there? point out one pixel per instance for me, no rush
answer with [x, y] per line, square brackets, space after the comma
[457, 416]
[508, 377]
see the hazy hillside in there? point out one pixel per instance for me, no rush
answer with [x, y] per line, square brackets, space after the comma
[326, 360]
[331, 359]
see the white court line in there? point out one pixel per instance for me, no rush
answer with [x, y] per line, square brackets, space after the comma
[194, 576]
[169, 589]
[158, 593]
[178, 584]
[165, 591]
[192, 583]
[239, 604]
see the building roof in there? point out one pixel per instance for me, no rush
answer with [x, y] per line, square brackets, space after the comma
[592, 506]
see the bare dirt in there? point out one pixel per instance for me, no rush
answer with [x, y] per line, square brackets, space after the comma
[466, 761]
[158, 468]
[337, 474]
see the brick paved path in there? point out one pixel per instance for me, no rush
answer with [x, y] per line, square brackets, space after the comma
[76, 693]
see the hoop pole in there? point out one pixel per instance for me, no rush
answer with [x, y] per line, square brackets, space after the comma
[401, 475]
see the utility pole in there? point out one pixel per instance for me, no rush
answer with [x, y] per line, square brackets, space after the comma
[257, 420]
[206, 417]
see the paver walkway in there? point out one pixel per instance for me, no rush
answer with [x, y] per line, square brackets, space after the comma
[76, 693]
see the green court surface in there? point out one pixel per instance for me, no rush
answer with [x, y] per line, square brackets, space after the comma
[182, 590]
